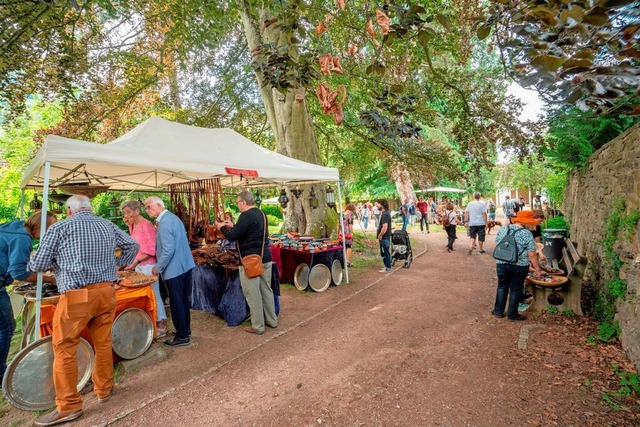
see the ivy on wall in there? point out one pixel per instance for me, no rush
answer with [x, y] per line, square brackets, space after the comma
[618, 224]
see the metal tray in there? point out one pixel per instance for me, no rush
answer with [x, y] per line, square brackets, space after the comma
[336, 272]
[320, 278]
[301, 277]
[556, 282]
[132, 333]
[28, 382]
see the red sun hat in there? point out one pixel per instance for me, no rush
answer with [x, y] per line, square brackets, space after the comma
[526, 217]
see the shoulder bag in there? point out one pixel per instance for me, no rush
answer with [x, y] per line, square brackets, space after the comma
[253, 263]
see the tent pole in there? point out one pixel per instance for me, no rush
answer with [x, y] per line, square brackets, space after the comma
[43, 227]
[344, 239]
[21, 207]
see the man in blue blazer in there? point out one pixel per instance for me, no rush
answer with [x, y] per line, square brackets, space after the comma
[174, 265]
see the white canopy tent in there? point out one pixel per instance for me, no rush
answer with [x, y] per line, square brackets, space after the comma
[444, 190]
[159, 152]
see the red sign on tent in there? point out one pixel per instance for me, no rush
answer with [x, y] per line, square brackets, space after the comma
[243, 172]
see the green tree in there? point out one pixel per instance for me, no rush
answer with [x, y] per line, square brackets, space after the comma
[531, 174]
[17, 147]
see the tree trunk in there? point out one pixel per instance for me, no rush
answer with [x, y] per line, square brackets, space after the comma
[292, 126]
[404, 185]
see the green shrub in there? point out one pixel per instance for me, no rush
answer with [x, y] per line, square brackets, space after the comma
[272, 220]
[629, 382]
[607, 331]
[273, 210]
[557, 222]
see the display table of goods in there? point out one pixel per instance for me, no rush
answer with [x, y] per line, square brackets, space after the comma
[307, 262]
[28, 382]
[215, 284]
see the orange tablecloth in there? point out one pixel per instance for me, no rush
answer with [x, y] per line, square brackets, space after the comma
[142, 298]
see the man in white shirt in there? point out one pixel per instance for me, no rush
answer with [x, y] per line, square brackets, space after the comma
[475, 217]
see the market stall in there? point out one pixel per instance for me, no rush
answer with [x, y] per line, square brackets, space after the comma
[315, 264]
[158, 153]
[139, 296]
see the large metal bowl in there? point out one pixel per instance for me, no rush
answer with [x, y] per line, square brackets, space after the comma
[132, 333]
[301, 277]
[320, 278]
[336, 272]
[28, 381]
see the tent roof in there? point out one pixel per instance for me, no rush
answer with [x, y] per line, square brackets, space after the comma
[159, 152]
[445, 190]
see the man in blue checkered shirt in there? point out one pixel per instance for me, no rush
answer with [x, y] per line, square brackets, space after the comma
[81, 252]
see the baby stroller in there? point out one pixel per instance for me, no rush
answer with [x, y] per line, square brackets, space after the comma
[401, 248]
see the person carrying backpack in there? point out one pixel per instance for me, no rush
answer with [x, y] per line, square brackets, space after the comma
[449, 222]
[508, 207]
[491, 210]
[515, 250]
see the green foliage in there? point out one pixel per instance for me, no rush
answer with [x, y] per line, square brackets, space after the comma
[568, 312]
[629, 381]
[273, 221]
[555, 185]
[574, 135]
[608, 331]
[272, 210]
[557, 222]
[610, 400]
[529, 173]
[615, 288]
[17, 147]
[552, 309]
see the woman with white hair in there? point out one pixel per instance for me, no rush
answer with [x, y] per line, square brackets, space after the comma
[143, 232]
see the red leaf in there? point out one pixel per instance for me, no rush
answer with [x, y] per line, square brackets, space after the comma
[321, 28]
[383, 21]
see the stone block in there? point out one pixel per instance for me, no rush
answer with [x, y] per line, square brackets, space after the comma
[154, 355]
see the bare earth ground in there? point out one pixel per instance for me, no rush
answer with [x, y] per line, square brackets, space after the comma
[417, 347]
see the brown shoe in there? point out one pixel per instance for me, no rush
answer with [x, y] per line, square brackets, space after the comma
[54, 417]
[252, 331]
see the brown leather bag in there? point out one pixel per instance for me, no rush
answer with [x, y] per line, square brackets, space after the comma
[252, 266]
[253, 263]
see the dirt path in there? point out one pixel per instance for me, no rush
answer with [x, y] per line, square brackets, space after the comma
[415, 347]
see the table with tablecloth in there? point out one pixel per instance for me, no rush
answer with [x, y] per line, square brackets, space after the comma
[217, 290]
[126, 298]
[288, 260]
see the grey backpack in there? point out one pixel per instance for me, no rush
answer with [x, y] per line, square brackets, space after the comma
[507, 249]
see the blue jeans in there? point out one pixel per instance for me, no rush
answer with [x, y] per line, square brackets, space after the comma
[365, 221]
[510, 282]
[385, 253]
[7, 326]
[491, 216]
[405, 221]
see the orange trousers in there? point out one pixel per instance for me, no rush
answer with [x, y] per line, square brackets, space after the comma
[94, 307]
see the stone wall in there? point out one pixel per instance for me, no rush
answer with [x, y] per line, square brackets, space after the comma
[613, 172]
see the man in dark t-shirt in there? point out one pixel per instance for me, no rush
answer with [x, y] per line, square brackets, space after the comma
[252, 236]
[384, 234]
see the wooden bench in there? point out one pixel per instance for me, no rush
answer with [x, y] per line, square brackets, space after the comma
[574, 265]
